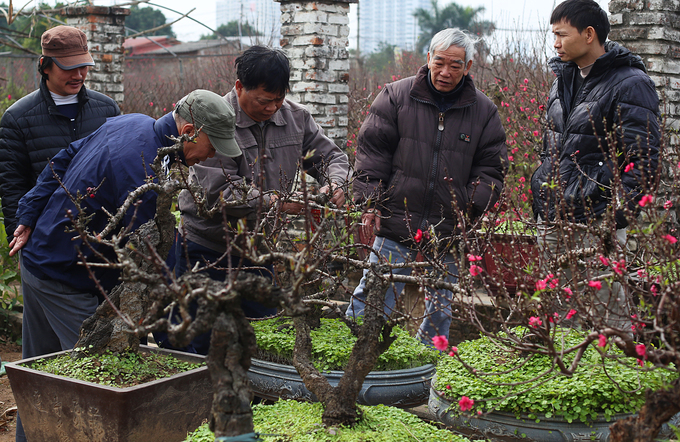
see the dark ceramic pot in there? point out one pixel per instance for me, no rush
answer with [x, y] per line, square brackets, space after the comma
[398, 388]
[58, 408]
[498, 426]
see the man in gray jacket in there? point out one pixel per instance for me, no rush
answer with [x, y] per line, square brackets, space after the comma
[277, 137]
[431, 148]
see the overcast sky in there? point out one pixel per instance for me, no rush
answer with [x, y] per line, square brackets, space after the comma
[528, 15]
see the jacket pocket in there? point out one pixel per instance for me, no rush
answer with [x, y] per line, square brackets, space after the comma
[588, 186]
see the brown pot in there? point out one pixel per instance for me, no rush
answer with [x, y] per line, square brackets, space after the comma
[59, 408]
[518, 251]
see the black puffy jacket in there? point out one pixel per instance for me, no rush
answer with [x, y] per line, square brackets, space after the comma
[416, 157]
[32, 131]
[617, 98]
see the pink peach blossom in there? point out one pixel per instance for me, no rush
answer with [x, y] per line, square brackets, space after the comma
[440, 342]
[465, 403]
[597, 285]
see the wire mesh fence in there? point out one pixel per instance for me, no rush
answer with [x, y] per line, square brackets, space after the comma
[19, 74]
[154, 84]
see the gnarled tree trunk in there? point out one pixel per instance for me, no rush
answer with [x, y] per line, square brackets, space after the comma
[659, 407]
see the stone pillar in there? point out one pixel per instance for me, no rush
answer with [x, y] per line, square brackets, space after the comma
[651, 29]
[105, 31]
[315, 38]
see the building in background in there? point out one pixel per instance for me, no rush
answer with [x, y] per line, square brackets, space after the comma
[263, 15]
[390, 22]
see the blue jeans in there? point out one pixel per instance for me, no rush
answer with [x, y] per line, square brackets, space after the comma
[437, 303]
[201, 255]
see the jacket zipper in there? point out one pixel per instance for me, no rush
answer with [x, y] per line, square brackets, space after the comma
[435, 161]
[261, 175]
[433, 172]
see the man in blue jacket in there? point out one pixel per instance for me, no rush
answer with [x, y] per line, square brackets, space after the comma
[39, 125]
[602, 116]
[106, 166]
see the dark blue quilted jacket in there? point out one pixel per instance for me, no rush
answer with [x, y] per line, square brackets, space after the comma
[617, 98]
[32, 131]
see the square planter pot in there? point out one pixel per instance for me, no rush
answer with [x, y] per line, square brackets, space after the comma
[59, 408]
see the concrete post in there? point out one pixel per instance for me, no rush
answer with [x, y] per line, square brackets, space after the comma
[105, 30]
[315, 38]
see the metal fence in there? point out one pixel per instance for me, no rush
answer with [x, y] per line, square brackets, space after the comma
[152, 84]
[19, 73]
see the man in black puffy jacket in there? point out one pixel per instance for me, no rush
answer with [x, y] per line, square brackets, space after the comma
[602, 120]
[42, 123]
[432, 148]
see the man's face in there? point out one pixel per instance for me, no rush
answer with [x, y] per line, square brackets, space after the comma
[570, 44]
[447, 68]
[198, 151]
[258, 104]
[63, 82]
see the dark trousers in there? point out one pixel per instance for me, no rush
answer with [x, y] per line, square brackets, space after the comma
[201, 255]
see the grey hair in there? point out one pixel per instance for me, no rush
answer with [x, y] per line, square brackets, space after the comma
[179, 121]
[454, 37]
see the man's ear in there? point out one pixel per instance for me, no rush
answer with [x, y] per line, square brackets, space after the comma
[187, 129]
[591, 35]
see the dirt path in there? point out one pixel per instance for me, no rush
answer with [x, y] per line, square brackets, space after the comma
[8, 352]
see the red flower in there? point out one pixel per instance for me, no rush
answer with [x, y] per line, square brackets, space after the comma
[629, 167]
[535, 321]
[453, 352]
[620, 266]
[671, 239]
[473, 258]
[475, 270]
[571, 313]
[419, 235]
[440, 342]
[604, 261]
[597, 285]
[641, 351]
[646, 199]
[602, 341]
[465, 403]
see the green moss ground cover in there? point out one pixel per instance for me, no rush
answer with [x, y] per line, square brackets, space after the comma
[123, 370]
[332, 345]
[617, 386]
[289, 420]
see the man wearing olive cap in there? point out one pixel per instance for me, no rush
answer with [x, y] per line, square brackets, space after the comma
[106, 166]
[42, 123]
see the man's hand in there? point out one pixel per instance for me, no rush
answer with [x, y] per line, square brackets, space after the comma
[21, 235]
[370, 221]
[338, 197]
[290, 208]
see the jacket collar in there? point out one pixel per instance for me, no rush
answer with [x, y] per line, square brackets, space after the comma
[244, 121]
[421, 90]
[53, 108]
[164, 128]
